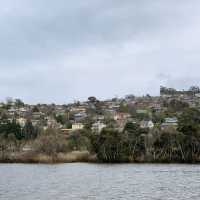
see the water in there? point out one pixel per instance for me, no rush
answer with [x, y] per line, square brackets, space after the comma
[101, 182]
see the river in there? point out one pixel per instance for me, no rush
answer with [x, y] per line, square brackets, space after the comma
[99, 182]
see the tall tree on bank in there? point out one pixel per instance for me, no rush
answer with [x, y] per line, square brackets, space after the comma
[29, 131]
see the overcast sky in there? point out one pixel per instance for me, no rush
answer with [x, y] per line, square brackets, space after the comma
[58, 51]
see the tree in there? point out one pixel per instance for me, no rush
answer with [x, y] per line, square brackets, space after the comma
[135, 140]
[7, 128]
[189, 122]
[79, 140]
[130, 97]
[51, 143]
[167, 91]
[61, 119]
[111, 146]
[92, 99]
[29, 132]
[19, 103]
[194, 89]
[123, 107]
[133, 128]
[35, 109]
[169, 147]
[175, 105]
[9, 101]
[189, 125]
[158, 118]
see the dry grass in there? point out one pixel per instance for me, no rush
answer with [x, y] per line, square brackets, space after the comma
[75, 156]
[32, 157]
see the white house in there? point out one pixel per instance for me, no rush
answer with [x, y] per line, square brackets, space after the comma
[21, 121]
[170, 122]
[98, 126]
[147, 124]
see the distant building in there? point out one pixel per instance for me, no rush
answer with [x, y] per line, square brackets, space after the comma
[12, 111]
[21, 121]
[52, 123]
[66, 131]
[98, 126]
[80, 116]
[147, 124]
[77, 126]
[197, 95]
[98, 117]
[121, 116]
[35, 122]
[78, 109]
[37, 115]
[156, 107]
[170, 122]
[140, 111]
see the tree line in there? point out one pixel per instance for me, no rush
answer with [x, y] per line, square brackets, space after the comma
[133, 144]
[138, 145]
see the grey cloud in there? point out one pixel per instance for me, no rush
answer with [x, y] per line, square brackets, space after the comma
[58, 51]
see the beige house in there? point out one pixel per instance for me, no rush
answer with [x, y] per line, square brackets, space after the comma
[121, 116]
[77, 126]
[78, 109]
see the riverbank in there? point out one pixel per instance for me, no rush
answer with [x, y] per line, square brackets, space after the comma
[74, 156]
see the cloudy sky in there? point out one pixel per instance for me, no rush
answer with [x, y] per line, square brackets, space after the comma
[58, 51]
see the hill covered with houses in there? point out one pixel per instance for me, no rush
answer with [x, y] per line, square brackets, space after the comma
[163, 128]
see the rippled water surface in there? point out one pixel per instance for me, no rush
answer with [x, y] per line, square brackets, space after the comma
[101, 182]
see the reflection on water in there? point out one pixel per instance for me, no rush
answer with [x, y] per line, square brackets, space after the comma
[101, 182]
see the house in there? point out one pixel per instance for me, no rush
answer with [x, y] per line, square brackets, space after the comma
[77, 126]
[98, 117]
[37, 115]
[197, 95]
[156, 107]
[12, 111]
[22, 112]
[98, 126]
[140, 111]
[78, 109]
[121, 119]
[52, 123]
[35, 122]
[61, 112]
[27, 148]
[146, 124]
[114, 106]
[80, 116]
[21, 121]
[65, 131]
[110, 112]
[170, 122]
[121, 116]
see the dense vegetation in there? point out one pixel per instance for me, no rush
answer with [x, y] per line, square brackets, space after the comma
[171, 91]
[133, 144]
